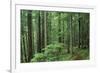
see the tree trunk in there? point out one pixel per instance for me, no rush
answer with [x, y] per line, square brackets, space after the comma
[29, 22]
[39, 33]
[79, 31]
[24, 48]
[59, 22]
[71, 48]
[45, 28]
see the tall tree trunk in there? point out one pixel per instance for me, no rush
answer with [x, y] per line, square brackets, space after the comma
[24, 48]
[71, 37]
[68, 34]
[79, 31]
[39, 33]
[45, 28]
[82, 31]
[22, 53]
[49, 28]
[63, 37]
[29, 22]
[59, 25]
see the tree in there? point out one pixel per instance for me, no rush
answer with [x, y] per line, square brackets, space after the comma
[29, 22]
[59, 14]
[71, 38]
[45, 28]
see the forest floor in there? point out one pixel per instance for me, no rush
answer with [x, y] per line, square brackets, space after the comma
[82, 54]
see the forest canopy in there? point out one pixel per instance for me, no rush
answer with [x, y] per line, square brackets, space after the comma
[54, 36]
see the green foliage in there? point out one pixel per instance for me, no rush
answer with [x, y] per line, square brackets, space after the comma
[39, 57]
[53, 51]
[56, 52]
[81, 54]
[54, 36]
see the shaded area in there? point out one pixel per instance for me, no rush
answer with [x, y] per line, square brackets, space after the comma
[54, 36]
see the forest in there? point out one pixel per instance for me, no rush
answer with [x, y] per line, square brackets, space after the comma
[47, 36]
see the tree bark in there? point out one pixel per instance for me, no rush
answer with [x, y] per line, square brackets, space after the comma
[79, 31]
[29, 22]
[59, 22]
[45, 28]
[39, 33]
[71, 48]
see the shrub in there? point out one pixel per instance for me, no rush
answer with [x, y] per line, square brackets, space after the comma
[39, 57]
[53, 51]
[57, 52]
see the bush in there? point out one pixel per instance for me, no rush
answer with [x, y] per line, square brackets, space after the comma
[57, 52]
[39, 57]
[53, 51]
